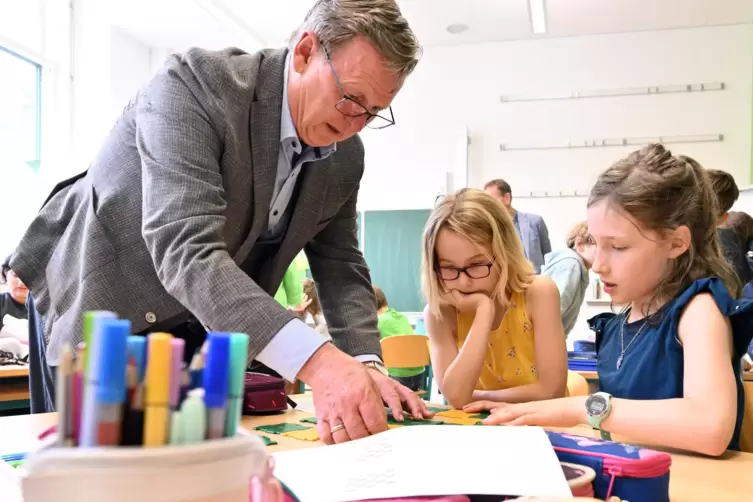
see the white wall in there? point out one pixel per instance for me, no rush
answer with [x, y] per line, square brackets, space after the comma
[130, 68]
[462, 85]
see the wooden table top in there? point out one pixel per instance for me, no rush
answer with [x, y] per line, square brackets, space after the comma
[694, 478]
[14, 370]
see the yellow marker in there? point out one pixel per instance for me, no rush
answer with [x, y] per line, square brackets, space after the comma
[157, 383]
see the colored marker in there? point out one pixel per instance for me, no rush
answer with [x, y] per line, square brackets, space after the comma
[93, 322]
[133, 426]
[196, 369]
[90, 320]
[63, 398]
[193, 417]
[185, 381]
[78, 391]
[176, 359]
[176, 436]
[216, 375]
[137, 351]
[157, 383]
[110, 379]
[238, 358]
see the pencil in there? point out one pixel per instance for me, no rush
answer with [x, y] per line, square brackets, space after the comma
[78, 391]
[133, 423]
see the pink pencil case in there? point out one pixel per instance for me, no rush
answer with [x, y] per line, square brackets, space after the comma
[622, 470]
[264, 394]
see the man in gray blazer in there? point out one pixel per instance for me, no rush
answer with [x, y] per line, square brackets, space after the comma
[218, 173]
[531, 227]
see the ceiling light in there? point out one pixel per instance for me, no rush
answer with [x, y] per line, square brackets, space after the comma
[538, 15]
[457, 28]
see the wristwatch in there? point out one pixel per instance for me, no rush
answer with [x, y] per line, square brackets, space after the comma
[377, 366]
[598, 407]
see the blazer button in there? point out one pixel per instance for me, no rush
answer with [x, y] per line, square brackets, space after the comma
[150, 317]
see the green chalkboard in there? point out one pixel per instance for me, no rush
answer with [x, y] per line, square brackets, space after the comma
[392, 248]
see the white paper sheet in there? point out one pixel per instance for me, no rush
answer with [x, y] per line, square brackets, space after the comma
[427, 460]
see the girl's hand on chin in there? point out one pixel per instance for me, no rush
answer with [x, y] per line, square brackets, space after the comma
[471, 302]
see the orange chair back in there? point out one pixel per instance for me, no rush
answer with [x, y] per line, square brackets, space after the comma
[746, 434]
[577, 385]
[405, 351]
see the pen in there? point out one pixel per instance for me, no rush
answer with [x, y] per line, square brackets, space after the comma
[93, 322]
[216, 374]
[63, 397]
[137, 351]
[185, 381]
[176, 359]
[196, 369]
[157, 384]
[109, 363]
[238, 358]
[193, 417]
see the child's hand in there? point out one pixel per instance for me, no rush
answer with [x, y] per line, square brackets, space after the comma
[562, 412]
[266, 488]
[471, 302]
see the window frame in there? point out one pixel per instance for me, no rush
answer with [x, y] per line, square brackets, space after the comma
[38, 67]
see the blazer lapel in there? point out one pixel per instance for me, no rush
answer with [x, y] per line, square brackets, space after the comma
[265, 144]
[305, 213]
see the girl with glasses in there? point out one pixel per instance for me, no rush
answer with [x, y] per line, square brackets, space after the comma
[494, 327]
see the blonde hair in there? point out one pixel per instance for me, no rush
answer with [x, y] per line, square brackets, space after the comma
[336, 22]
[477, 216]
[664, 192]
[579, 233]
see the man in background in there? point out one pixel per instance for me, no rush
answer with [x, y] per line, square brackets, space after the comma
[531, 227]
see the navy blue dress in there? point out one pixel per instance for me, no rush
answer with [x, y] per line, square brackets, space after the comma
[652, 367]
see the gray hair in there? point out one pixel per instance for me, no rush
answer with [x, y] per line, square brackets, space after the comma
[335, 22]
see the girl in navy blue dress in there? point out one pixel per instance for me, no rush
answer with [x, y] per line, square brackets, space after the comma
[669, 362]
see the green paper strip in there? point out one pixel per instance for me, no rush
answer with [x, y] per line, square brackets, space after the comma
[280, 428]
[267, 441]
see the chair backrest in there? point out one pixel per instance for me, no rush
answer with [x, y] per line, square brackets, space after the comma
[577, 385]
[405, 351]
[746, 434]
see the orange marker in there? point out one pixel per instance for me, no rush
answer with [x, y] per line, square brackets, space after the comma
[157, 384]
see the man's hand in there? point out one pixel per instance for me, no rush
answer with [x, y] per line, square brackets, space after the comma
[399, 397]
[347, 400]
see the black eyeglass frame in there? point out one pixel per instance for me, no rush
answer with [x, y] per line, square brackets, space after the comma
[458, 270]
[345, 98]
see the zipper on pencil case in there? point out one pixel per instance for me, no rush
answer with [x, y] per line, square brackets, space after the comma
[620, 466]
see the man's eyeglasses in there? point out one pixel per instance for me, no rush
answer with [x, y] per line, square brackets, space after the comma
[349, 107]
[474, 272]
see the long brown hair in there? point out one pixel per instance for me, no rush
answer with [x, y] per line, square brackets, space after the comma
[664, 192]
[479, 217]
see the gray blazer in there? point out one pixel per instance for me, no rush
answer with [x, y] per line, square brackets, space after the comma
[175, 200]
[535, 237]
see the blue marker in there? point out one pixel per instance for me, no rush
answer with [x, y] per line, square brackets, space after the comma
[216, 378]
[110, 380]
[88, 429]
[137, 352]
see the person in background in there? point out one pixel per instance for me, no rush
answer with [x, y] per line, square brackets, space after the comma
[734, 251]
[569, 268]
[290, 292]
[530, 227]
[669, 363]
[13, 303]
[742, 224]
[494, 326]
[313, 307]
[392, 323]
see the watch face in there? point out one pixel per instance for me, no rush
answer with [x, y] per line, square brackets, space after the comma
[596, 405]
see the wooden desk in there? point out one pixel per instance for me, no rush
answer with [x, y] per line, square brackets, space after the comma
[694, 478]
[14, 387]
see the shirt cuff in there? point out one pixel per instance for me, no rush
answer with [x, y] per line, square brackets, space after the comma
[365, 358]
[290, 348]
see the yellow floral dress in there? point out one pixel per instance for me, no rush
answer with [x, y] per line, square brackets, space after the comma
[510, 360]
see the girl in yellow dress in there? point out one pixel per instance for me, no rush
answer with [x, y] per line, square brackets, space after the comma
[494, 328]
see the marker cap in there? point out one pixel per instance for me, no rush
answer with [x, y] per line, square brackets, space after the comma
[238, 359]
[91, 320]
[176, 359]
[137, 351]
[217, 370]
[109, 360]
[157, 380]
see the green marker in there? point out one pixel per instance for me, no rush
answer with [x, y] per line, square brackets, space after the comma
[236, 383]
[193, 417]
[176, 435]
[90, 321]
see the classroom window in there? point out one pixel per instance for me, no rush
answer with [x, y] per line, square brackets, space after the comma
[20, 110]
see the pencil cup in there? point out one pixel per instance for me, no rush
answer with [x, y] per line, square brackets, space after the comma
[213, 471]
